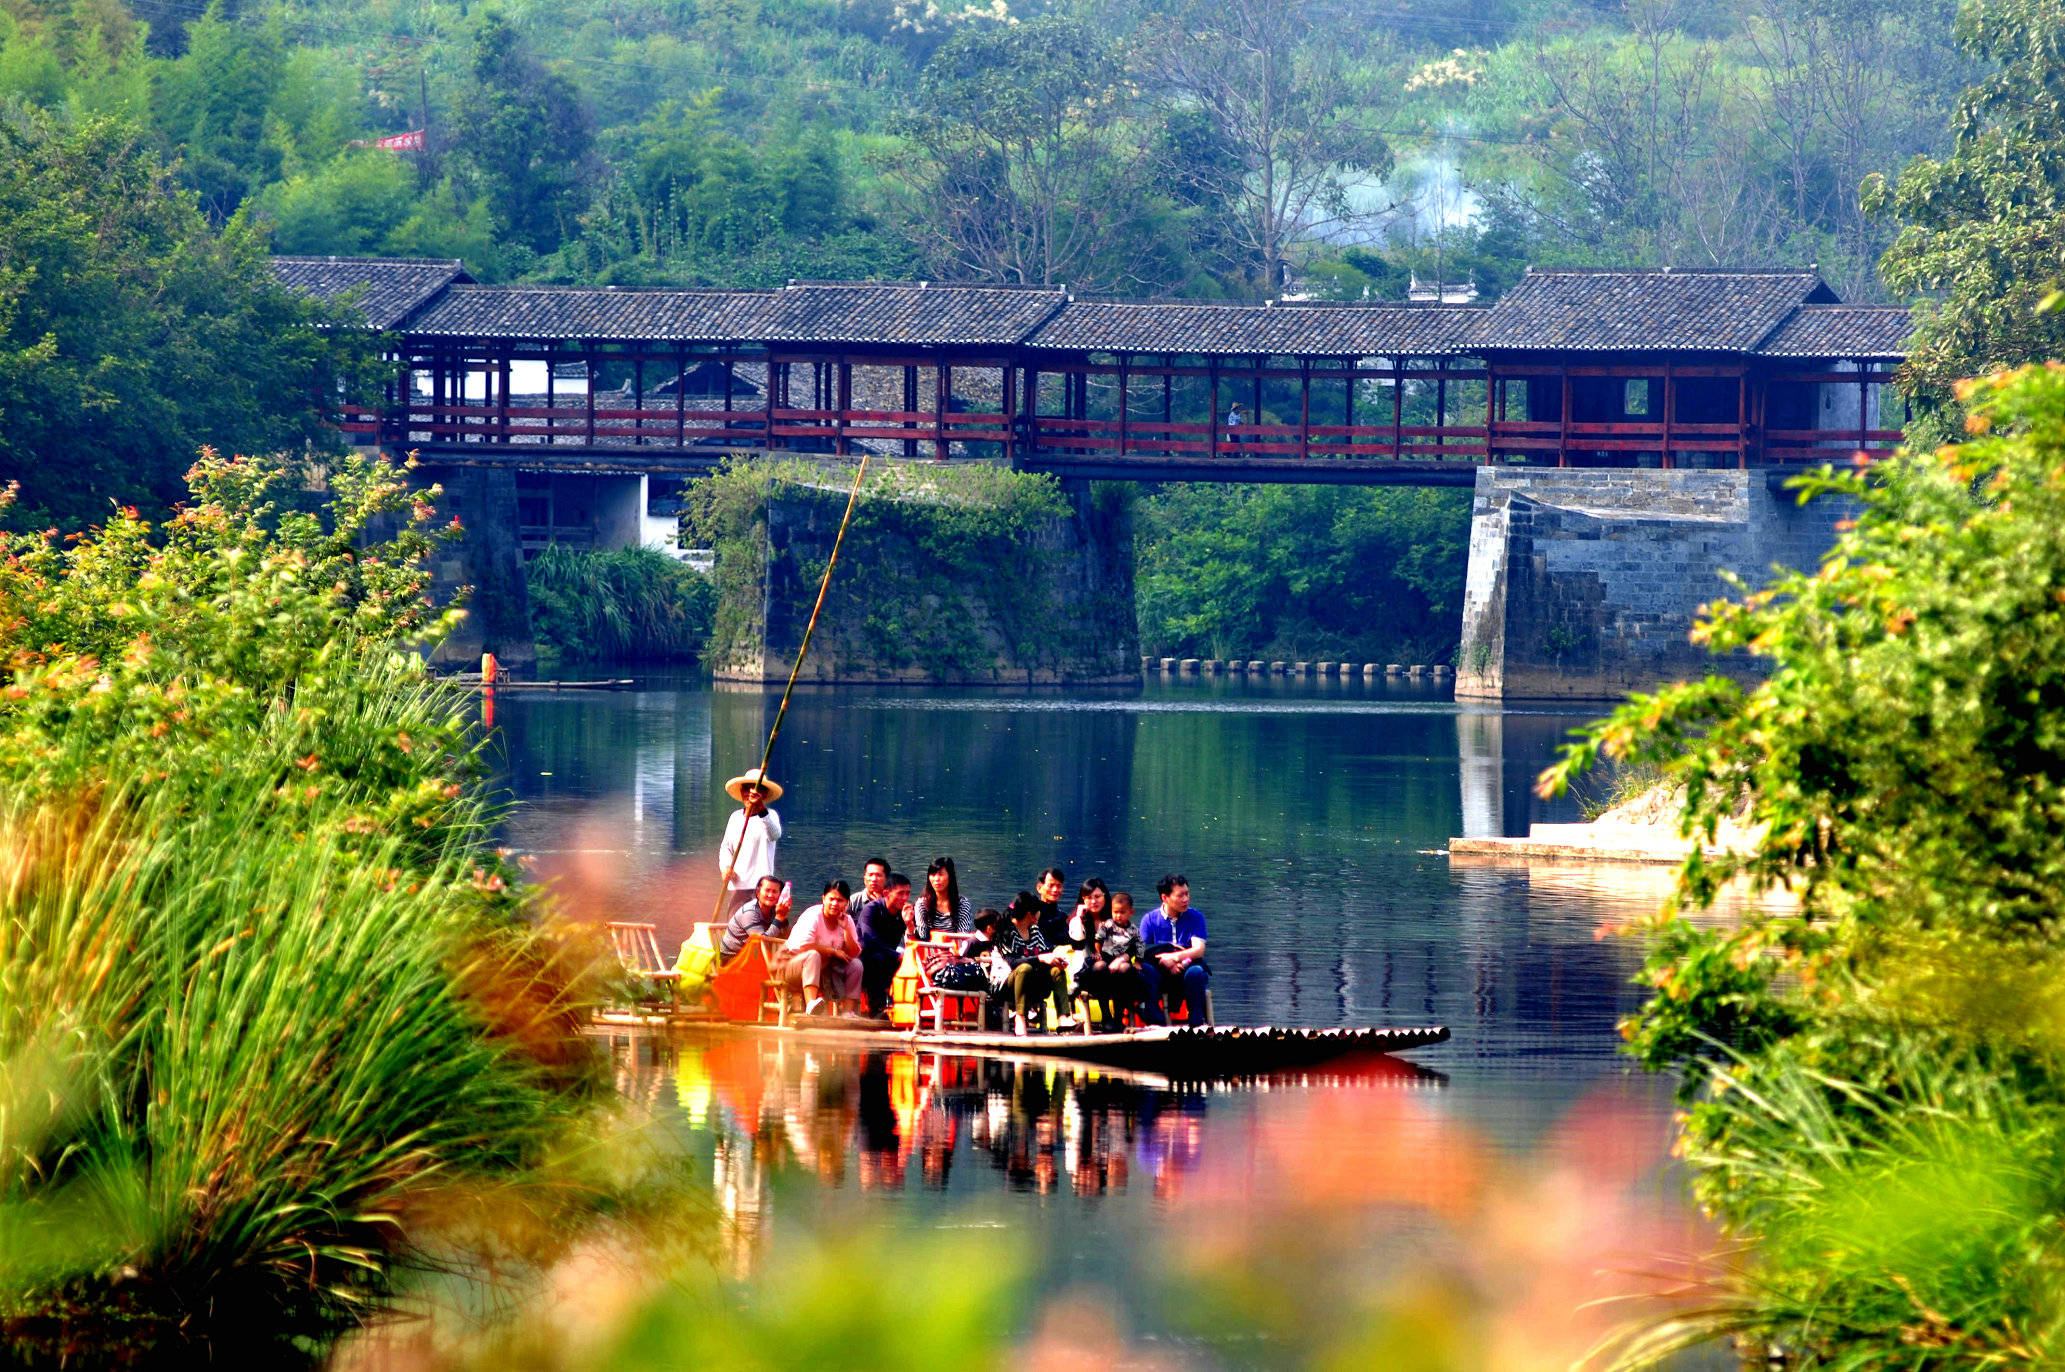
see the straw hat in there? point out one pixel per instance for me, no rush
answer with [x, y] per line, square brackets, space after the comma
[736, 787]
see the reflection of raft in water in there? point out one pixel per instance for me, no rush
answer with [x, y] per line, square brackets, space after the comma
[743, 995]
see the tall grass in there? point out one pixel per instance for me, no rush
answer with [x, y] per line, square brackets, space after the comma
[272, 1037]
[1905, 1222]
[266, 992]
[604, 606]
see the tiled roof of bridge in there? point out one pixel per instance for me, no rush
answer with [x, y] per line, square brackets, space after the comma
[1877, 332]
[1774, 313]
[1664, 310]
[853, 312]
[1270, 330]
[572, 312]
[802, 313]
[395, 287]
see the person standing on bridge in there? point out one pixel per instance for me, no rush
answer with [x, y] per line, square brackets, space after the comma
[747, 852]
[1234, 419]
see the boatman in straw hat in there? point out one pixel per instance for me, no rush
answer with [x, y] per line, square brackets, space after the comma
[747, 853]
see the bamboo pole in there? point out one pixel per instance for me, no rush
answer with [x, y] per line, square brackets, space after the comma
[824, 584]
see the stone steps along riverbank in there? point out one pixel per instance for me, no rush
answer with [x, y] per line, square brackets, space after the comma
[1213, 666]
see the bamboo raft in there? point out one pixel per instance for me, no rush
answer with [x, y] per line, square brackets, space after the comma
[739, 996]
[1179, 1052]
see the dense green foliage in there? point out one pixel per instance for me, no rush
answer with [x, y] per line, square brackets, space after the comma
[1302, 572]
[1138, 146]
[955, 562]
[1878, 1069]
[1984, 228]
[131, 333]
[597, 607]
[264, 988]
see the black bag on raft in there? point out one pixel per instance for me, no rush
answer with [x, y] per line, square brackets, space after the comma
[964, 975]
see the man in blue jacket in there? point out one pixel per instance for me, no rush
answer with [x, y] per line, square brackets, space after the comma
[1180, 932]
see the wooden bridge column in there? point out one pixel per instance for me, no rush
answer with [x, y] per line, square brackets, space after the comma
[1863, 407]
[1031, 404]
[1304, 408]
[1563, 425]
[1212, 434]
[1255, 410]
[1398, 407]
[775, 378]
[638, 400]
[1440, 407]
[1008, 404]
[1125, 365]
[910, 403]
[438, 391]
[844, 372]
[681, 395]
[1670, 411]
[551, 393]
[943, 388]
[502, 395]
[1168, 394]
[588, 365]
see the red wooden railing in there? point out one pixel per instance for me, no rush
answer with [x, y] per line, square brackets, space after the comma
[524, 426]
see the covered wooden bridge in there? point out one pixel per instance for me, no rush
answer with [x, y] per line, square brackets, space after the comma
[1665, 368]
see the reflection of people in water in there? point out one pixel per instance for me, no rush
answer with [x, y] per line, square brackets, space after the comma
[1172, 1142]
[881, 1159]
[1042, 1128]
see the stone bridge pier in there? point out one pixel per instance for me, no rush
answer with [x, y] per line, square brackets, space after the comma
[1583, 583]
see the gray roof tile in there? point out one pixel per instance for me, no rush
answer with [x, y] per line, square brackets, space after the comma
[1877, 332]
[1774, 313]
[1666, 310]
[917, 314]
[576, 312]
[1271, 330]
[395, 287]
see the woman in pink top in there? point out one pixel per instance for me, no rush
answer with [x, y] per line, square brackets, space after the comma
[824, 953]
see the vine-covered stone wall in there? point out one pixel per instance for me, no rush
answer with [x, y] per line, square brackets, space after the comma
[960, 574]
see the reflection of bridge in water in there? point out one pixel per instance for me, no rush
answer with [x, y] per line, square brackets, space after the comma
[1572, 368]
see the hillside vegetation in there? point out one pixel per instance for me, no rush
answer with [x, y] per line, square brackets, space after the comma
[1224, 148]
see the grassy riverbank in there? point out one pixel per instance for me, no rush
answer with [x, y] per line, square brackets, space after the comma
[265, 990]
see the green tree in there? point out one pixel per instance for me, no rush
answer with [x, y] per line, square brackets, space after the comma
[1984, 235]
[526, 136]
[1300, 571]
[1025, 164]
[1293, 125]
[131, 333]
[211, 104]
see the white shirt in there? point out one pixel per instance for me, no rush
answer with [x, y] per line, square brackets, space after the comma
[813, 928]
[754, 845]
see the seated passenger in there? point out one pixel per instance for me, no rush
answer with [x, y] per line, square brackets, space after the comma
[1035, 963]
[881, 926]
[823, 953]
[987, 922]
[1053, 923]
[1117, 974]
[766, 913]
[1175, 936]
[941, 908]
[1091, 899]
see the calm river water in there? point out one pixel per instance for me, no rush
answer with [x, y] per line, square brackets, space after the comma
[1487, 1191]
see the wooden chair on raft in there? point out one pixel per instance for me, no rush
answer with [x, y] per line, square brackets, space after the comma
[637, 947]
